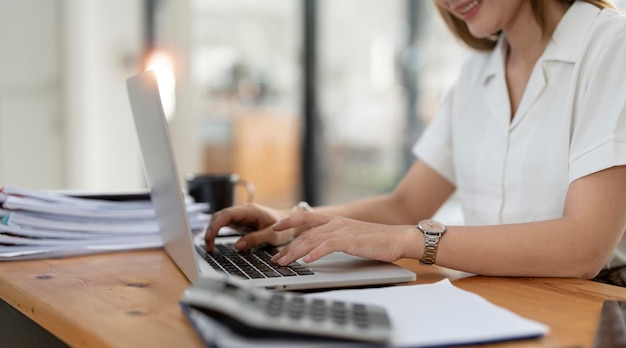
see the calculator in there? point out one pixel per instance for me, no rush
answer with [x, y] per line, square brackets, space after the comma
[259, 313]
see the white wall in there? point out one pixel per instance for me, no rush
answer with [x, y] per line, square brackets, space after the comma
[103, 46]
[175, 21]
[65, 120]
[31, 119]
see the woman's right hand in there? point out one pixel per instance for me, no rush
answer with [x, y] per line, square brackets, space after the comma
[252, 216]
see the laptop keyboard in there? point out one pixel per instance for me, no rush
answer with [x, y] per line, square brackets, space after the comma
[250, 264]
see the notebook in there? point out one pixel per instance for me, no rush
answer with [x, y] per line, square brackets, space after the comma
[332, 271]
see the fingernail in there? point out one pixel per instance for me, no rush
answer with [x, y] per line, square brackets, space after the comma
[282, 261]
[307, 258]
[241, 244]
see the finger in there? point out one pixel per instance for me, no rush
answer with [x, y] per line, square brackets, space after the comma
[308, 219]
[218, 220]
[311, 245]
[308, 253]
[240, 215]
[325, 248]
[264, 236]
[298, 244]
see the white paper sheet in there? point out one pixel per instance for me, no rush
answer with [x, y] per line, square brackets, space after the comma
[31, 204]
[16, 253]
[442, 314]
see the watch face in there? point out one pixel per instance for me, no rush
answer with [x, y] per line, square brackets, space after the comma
[432, 226]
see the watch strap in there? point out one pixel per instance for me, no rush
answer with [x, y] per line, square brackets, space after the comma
[431, 242]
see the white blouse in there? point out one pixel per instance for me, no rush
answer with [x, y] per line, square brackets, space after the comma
[571, 122]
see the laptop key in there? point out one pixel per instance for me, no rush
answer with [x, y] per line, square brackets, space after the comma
[254, 263]
[285, 271]
[271, 274]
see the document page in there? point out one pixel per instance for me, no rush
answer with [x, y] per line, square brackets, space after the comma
[442, 314]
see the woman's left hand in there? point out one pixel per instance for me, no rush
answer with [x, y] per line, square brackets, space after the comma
[327, 234]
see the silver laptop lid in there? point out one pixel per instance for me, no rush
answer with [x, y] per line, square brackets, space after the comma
[160, 169]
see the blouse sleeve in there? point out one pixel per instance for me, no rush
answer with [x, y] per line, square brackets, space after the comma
[434, 147]
[599, 126]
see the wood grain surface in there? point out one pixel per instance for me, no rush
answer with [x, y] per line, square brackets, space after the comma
[130, 299]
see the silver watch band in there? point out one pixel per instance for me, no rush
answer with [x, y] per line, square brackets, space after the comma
[430, 249]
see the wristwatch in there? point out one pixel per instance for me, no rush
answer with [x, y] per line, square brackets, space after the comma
[433, 230]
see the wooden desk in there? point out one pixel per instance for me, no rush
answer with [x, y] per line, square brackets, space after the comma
[130, 300]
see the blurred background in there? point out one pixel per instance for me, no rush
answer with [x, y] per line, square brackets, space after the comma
[308, 99]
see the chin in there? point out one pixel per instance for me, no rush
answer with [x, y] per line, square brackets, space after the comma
[482, 33]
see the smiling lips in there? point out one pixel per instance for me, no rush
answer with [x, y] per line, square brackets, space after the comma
[466, 9]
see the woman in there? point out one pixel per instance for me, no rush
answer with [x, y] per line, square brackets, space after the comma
[532, 137]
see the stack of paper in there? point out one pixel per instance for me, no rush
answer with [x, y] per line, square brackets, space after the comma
[37, 224]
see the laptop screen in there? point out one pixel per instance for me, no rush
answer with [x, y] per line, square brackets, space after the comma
[160, 170]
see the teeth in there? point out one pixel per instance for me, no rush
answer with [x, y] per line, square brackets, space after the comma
[469, 7]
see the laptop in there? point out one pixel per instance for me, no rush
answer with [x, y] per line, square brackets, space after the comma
[332, 271]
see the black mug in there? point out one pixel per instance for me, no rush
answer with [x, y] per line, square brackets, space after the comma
[217, 189]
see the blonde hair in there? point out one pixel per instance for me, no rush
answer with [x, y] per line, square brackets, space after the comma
[459, 28]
